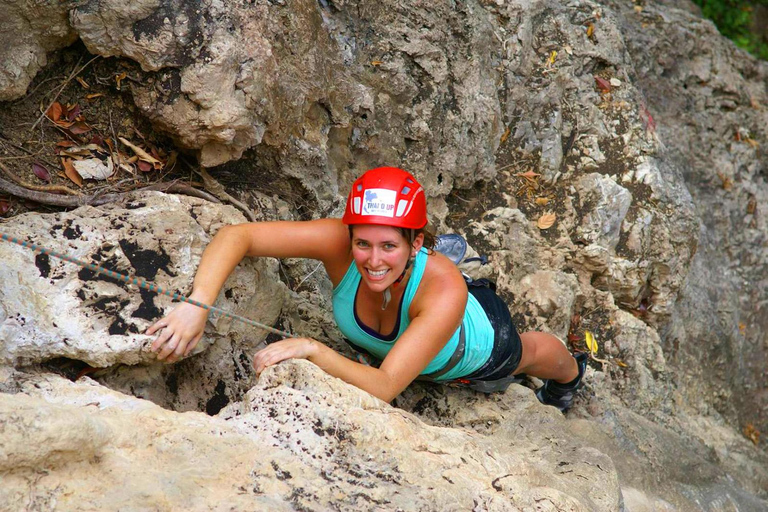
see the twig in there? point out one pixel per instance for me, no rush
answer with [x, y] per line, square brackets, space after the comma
[6, 140]
[179, 188]
[54, 199]
[72, 75]
[217, 189]
[39, 188]
[95, 199]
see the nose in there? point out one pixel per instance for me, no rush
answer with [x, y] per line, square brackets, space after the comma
[375, 257]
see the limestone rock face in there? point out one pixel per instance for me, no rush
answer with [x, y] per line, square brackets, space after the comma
[28, 30]
[300, 439]
[501, 109]
[53, 309]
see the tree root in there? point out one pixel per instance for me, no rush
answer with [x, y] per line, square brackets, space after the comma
[97, 199]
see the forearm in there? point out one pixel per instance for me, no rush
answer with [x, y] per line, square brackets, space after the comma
[370, 379]
[219, 259]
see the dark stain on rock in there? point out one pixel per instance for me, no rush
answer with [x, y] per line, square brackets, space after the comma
[281, 474]
[119, 326]
[147, 309]
[43, 264]
[146, 262]
[72, 231]
[218, 401]
[135, 205]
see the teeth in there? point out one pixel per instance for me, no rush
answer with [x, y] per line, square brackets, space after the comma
[377, 273]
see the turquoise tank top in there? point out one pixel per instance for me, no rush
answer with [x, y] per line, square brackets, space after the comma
[478, 332]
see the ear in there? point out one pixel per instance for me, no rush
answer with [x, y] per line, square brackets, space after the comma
[418, 243]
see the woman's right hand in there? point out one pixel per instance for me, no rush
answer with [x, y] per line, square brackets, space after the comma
[181, 330]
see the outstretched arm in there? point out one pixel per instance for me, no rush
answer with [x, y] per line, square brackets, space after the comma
[437, 311]
[326, 240]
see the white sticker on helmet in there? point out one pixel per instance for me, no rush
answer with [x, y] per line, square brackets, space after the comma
[401, 207]
[379, 202]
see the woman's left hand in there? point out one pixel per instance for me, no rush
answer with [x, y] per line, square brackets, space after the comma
[291, 348]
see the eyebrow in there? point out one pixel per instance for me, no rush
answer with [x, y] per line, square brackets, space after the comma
[358, 239]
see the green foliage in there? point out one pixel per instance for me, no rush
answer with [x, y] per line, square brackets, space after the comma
[733, 19]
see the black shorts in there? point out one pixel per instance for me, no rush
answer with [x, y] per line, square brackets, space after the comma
[507, 347]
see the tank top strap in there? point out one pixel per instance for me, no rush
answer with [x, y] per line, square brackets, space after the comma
[416, 274]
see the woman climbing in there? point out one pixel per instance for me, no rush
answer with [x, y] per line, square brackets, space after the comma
[393, 298]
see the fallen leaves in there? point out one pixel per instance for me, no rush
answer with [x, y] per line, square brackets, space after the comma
[143, 155]
[727, 182]
[119, 78]
[603, 84]
[71, 173]
[5, 207]
[751, 433]
[590, 30]
[752, 206]
[41, 172]
[546, 221]
[68, 118]
[94, 168]
[542, 201]
[505, 135]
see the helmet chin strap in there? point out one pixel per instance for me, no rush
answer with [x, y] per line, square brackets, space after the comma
[411, 234]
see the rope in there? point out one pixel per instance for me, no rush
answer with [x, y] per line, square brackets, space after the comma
[142, 283]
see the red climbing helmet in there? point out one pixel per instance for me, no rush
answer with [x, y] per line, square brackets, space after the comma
[388, 196]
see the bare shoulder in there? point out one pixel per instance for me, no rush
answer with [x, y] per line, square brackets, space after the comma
[442, 284]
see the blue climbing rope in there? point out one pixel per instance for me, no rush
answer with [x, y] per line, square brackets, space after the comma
[141, 283]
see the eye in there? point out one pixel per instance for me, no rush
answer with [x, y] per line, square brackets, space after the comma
[362, 244]
[390, 247]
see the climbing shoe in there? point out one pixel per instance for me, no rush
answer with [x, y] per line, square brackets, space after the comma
[562, 395]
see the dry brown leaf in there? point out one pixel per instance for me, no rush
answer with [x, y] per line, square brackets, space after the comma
[542, 201]
[752, 206]
[143, 155]
[71, 173]
[376, 63]
[621, 363]
[54, 111]
[82, 82]
[528, 175]
[119, 78]
[752, 433]
[752, 142]
[93, 96]
[603, 84]
[590, 29]
[505, 135]
[41, 172]
[727, 181]
[546, 221]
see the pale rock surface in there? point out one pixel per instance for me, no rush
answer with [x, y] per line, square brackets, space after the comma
[471, 91]
[28, 31]
[300, 439]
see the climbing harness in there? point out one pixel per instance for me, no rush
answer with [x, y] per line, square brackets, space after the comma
[142, 283]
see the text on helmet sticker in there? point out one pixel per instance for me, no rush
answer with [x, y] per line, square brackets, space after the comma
[379, 202]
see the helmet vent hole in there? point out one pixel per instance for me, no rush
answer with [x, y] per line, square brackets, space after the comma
[405, 190]
[409, 180]
[359, 187]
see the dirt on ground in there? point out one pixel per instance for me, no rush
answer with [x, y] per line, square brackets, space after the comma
[77, 134]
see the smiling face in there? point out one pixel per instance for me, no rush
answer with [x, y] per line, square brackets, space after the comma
[381, 254]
